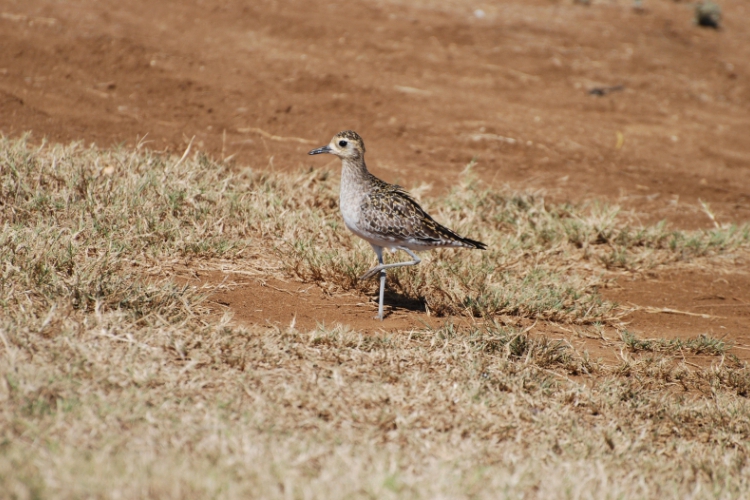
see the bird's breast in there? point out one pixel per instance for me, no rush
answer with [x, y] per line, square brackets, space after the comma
[349, 204]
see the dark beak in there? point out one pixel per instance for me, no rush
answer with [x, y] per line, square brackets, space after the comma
[324, 149]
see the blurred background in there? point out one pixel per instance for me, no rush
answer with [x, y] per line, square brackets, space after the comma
[634, 102]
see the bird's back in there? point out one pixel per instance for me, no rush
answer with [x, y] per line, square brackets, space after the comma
[389, 212]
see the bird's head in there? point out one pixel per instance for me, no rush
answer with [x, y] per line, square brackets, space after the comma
[347, 145]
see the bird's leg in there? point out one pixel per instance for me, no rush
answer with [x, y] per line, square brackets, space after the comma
[379, 252]
[382, 267]
[382, 293]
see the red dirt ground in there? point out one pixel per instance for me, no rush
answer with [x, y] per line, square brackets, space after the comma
[429, 85]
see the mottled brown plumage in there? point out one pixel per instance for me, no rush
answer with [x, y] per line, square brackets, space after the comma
[392, 213]
[384, 214]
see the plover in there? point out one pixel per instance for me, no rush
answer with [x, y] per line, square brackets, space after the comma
[384, 214]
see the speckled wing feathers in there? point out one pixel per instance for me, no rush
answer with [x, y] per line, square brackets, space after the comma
[388, 211]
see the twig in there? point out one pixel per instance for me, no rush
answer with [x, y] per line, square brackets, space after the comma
[236, 271]
[667, 310]
[128, 339]
[184, 155]
[274, 137]
[743, 304]
[707, 211]
[341, 305]
[263, 283]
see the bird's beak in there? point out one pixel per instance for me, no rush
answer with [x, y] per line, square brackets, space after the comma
[324, 149]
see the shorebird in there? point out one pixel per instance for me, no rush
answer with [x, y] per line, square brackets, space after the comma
[384, 214]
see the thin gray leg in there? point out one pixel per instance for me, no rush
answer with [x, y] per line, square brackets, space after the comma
[379, 252]
[382, 292]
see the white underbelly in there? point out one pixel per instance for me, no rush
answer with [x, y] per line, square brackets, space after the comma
[381, 241]
[373, 239]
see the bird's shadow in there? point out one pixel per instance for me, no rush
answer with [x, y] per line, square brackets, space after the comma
[395, 301]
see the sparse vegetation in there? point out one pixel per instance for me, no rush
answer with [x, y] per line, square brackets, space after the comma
[702, 344]
[116, 381]
[87, 226]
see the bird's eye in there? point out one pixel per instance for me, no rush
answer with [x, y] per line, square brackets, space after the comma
[342, 144]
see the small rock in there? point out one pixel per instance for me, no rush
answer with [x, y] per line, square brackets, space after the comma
[708, 15]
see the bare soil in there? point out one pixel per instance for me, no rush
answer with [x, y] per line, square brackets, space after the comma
[429, 85]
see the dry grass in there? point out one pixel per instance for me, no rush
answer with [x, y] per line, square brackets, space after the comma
[125, 412]
[117, 383]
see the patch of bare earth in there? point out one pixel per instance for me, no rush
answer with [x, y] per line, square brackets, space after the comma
[275, 303]
[689, 302]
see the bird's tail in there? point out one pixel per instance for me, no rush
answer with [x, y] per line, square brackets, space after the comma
[474, 244]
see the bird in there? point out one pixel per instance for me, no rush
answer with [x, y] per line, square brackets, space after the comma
[383, 214]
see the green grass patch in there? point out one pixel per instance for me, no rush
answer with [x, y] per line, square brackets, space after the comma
[702, 344]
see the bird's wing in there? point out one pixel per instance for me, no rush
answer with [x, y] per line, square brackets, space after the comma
[391, 213]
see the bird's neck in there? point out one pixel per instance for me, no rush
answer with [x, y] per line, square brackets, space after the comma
[354, 171]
